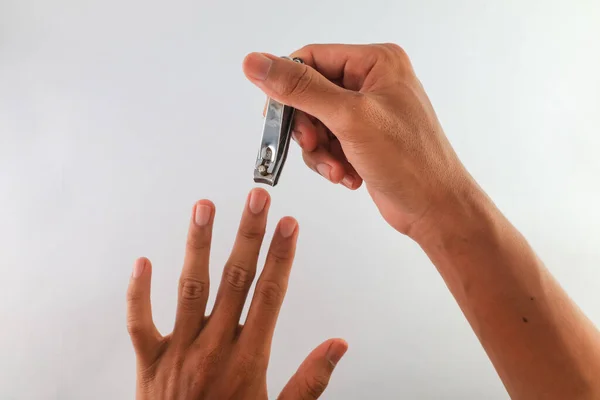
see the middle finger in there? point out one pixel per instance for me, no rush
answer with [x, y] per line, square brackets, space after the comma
[240, 269]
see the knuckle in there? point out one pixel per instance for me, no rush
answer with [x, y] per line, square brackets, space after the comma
[270, 293]
[134, 327]
[308, 48]
[197, 241]
[281, 252]
[133, 297]
[209, 359]
[395, 56]
[307, 51]
[380, 50]
[251, 235]
[134, 300]
[315, 385]
[298, 83]
[394, 48]
[238, 277]
[192, 289]
[280, 255]
[248, 365]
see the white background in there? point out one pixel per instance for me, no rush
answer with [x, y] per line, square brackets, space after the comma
[116, 115]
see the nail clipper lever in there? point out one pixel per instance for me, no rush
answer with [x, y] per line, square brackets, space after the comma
[275, 142]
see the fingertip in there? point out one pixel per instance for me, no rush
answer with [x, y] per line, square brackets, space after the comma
[351, 181]
[343, 343]
[325, 164]
[306, 138]
[357, 184]
[205, 202]
[271, 56]
[250, 58]
[337, 173]
[258, 200]
[287, 226]
[144, 260]
[260, 190]
[142, 265]
[336, 351]
[305, 132]
[204, 211]
[256, 66]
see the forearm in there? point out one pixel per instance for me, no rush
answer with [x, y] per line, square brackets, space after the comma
[540, 343]
[384, 132]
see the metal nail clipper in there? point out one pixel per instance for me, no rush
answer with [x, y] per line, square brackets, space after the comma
[277, 131]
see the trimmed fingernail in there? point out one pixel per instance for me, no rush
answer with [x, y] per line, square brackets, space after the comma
[297, 136]
[138, 268]
[336, 351]
[202, 215]
[324, 170]
[287, 226]
[258, 66]
[258, 200]
[348, 181]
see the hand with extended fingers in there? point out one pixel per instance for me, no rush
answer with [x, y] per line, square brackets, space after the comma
[213, 357]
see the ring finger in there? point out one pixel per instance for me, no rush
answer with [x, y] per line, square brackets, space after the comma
[270, 289]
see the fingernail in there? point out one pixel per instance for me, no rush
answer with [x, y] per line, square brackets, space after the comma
[138, 268]
[324, 170]
[348, 181]
[336, 351]
[202, 215]
[258, 66]
[297, 136]
[258, 200]
[287, 226]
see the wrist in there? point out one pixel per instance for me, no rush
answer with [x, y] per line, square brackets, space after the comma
[461, 212]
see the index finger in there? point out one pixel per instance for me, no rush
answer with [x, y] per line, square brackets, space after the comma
[349, 63]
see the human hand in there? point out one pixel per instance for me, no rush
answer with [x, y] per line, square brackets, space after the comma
[213, 357]
[365, 116]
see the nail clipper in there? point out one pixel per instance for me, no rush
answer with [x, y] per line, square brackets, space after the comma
[277, 131]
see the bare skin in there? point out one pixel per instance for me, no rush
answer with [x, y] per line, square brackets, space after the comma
[366, 118]
[215, 357]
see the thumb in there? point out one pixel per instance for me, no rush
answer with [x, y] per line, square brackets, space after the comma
[300, 86]
[311, 379]
[144, 335]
